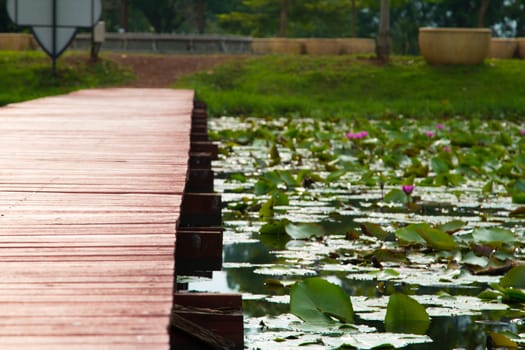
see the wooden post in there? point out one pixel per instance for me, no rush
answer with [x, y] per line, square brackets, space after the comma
[215, 321]
[201, 210]
[198, 250]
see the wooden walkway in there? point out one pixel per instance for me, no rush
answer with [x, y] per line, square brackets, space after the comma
[91, 185]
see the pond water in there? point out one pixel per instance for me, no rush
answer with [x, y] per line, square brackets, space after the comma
[345, 190]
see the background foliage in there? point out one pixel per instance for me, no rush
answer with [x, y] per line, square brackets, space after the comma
[308, 18]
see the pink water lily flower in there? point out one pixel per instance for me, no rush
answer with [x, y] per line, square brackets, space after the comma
[440, 126]
[408, 189]
[358, 135]
[522, 132]
[430, 133]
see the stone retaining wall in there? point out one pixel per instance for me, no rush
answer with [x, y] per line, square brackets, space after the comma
[168, 43]
[17, 42]
[172, 43]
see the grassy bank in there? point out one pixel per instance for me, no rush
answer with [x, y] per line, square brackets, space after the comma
[349, 85]
[27, 75]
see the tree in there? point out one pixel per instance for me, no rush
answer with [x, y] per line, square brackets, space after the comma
[124, 15]
[283, 20]
[6, 25]
[165, 16]
[483, 7]
[305, 18]
[383, 38]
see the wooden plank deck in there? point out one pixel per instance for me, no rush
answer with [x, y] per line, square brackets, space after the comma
[91, 185]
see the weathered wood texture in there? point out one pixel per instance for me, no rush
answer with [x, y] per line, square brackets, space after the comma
[91, 185]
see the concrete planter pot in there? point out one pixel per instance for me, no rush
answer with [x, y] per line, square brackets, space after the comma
[521, 47]
[454, 45]
[503, 47]
[312, 46]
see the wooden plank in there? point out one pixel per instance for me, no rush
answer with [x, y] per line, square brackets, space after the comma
[91, 187]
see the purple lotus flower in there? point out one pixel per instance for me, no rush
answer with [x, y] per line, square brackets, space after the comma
[357, 135]
[447, 149]
[430, 133]
[522, 132]
[440, 126]
[408, 189]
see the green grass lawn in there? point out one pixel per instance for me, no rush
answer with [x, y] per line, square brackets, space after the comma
[357, 86]
[27, 75]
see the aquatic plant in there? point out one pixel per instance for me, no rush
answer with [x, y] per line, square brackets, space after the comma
[408, 189]
[321, 211]
[357, 135]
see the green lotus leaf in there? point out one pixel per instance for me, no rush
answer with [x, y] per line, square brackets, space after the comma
[317, 301]
[513, 295]
[493, 236]
[396, 196]
[514, 278]
[373, 230]
[439, 165]
[264, 186]
[409, 233]
[500, 340]
[305, 231]
[518, 198]
[436, 239]
[406, 315]
[472, 259]
[452, 226]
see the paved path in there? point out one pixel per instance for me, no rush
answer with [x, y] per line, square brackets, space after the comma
[90, 191]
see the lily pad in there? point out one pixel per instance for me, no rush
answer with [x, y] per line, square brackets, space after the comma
[439, 165]
[515, 278]
[373, 230]
[452, 226]
[406, 315]
[493, 236]
[376, 340]
[305, 231]
[318, 301]
[502, 341]
[513, 295]
[409, 233]
[437, 239]
[396, 196]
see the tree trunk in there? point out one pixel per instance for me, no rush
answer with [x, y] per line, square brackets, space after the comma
[383, 39]
[354, 19]
[200, 14]
[483, 7]
[283, 22]
[124, 15]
